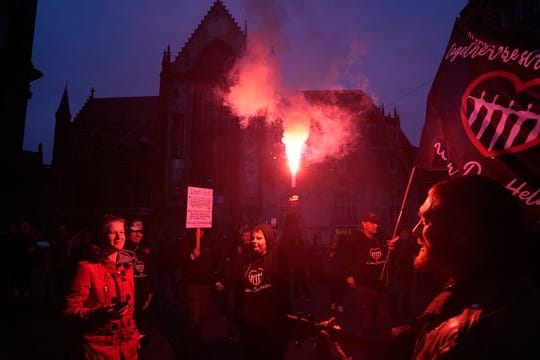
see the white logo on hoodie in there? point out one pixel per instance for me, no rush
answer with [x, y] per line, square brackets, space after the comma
[256, 276]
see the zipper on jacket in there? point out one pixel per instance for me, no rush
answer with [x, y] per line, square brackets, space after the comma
[106, 277]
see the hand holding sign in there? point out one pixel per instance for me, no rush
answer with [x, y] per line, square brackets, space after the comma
[195, 253]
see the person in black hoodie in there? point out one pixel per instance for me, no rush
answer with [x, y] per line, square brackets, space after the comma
[264, 300]
[363, 257]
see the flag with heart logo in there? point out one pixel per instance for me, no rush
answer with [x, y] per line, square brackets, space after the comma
[483, 111]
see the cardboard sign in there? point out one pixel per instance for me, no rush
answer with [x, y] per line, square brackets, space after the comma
[199, 207]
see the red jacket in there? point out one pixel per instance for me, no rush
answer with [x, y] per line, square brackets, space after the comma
[96, 286]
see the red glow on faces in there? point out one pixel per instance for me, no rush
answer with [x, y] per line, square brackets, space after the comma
[115, 235]
[258, 242]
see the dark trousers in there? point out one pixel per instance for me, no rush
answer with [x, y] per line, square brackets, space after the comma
[196, 302]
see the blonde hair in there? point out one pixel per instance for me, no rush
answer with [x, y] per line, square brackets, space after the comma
[108, 219]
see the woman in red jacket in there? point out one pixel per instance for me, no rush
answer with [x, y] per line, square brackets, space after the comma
[100, 299]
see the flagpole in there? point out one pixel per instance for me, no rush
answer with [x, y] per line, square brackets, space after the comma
[384, 271]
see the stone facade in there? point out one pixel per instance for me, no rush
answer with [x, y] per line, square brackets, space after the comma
[137, 155]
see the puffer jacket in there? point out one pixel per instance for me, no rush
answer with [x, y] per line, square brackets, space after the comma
[97, 285]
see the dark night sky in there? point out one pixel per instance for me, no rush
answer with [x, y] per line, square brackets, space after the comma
[389, 48]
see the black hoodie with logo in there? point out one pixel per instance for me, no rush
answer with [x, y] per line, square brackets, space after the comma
[264, 300]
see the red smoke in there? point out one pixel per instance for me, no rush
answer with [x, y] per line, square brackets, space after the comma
[312, 132]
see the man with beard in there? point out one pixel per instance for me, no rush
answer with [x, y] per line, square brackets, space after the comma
[471, 229]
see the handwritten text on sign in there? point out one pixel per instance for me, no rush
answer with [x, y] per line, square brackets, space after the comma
[199, 207]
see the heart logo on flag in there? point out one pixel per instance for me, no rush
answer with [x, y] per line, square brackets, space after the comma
[500, 113]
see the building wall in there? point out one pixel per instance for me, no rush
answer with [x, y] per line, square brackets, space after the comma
[195, 141]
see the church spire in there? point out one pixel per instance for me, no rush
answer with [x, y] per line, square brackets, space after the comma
[61, 130]
[166, 56]
[63, 113]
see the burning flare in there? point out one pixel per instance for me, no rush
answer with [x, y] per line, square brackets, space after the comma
[257, 91]
[294, 138]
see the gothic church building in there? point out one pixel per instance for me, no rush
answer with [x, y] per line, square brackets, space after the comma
[135, 156]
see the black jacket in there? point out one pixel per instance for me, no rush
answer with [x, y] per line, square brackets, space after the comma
[488, 316]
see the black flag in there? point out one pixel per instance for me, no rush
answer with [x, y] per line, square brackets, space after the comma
[483, 111]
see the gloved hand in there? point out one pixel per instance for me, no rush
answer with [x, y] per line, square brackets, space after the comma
[112, 312]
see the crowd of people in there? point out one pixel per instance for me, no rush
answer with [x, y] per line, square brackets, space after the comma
[108, 288]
